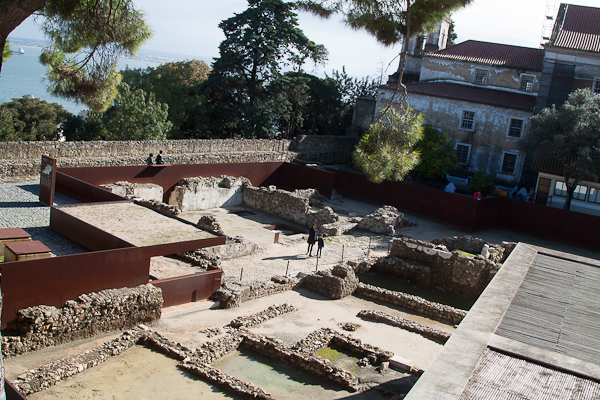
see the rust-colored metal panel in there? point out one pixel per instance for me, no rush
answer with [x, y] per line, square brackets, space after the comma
[167, 176]
[81, 190]
[47, 180]
[53, 281]
[296, 176]
[11, 392]
[446, 208]
[81, 233]
[189, 288]
[179, 247]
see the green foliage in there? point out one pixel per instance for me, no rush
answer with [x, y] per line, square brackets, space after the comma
[243, 89]
[452, 36]
[6, 53]
[482, 183]
[34, 119]
[88, 36]
[174, 84]
[437, 154]
[386, 151]
[135, 115]
[11, 129]
[570, 136]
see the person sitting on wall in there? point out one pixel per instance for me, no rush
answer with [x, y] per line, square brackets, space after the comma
[477, 195]
[150, 159]
[312, 238]
[159, 159]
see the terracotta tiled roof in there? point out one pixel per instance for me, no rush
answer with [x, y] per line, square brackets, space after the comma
[501, 55]
[473, 94]
[577, 27]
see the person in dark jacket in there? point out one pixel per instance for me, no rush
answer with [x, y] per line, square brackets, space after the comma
[320, 245]
[159, 159]
[312, 238]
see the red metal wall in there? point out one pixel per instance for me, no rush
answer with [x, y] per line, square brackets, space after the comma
[189, 288]
[296, 176]
[167, 176]
[53, 281]
[81, 190]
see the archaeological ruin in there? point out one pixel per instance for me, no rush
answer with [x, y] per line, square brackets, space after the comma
[203, 268]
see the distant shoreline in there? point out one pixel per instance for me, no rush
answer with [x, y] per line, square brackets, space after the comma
[159, 57]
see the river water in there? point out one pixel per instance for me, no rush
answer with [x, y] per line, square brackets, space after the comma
[23, 75]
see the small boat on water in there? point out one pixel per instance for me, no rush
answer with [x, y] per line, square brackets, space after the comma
[19, 52]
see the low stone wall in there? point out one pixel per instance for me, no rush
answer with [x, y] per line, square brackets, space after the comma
[230, 383]
[203, 193]
[405, 324]
[323, 149]
[293, 206]
[493, 252]
[260, 317]
[336, 283]
[232, 294]
[324, 337]
[315, 366]
[42, 326]
[36, 380]
[417, 304]
[144, 191]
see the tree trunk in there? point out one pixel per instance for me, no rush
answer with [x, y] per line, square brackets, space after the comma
[13, 13]
[570, 191]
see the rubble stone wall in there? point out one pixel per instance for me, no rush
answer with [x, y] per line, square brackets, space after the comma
[339, 282]
[24, 158]
[42, 326]
[231, 294]
[430, 266]
[418, 304]
[278, 202]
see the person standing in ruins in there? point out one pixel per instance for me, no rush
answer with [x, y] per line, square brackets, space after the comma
[312, 238]
[320, 245]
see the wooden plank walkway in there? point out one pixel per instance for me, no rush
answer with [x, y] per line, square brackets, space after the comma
[557, 308]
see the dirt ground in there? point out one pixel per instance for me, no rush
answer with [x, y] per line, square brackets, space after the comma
[135, 224]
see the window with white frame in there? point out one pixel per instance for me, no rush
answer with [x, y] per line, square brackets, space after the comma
[481, 76]
[462, 152]
[526, 82]
[515, 127]
[468, 120]
[596, 86]
[509, 163]
[560, 189]
[594, 196]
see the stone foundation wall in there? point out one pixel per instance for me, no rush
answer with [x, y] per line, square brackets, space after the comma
[433, 266]
[406, 324]
[418, 304]
[260, 317]
[42, 326]
[336, 283]
[231, 294]
[278, 202]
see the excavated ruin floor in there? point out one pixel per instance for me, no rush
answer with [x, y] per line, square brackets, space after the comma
[314, 312]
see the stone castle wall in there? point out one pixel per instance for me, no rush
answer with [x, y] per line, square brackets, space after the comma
[24, 158]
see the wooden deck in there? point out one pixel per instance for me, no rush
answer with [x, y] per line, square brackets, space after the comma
[557, 308]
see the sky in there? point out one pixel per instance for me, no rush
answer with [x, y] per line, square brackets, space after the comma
[191, 27]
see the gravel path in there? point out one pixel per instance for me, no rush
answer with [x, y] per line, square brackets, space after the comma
[20, 208]
[273, 259]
